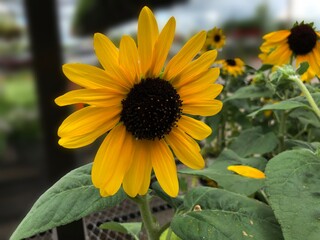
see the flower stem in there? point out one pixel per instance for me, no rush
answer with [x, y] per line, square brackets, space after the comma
[306, 92]
[149, 221]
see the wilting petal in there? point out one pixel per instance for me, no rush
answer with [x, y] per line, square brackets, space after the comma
[165, 168]
[185, 148]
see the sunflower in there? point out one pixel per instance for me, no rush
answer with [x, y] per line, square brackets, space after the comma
[143, 107]
[301, 43]
[232, 66]
[215, 40]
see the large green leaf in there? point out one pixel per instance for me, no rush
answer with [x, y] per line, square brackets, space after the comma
[306, 117]
[69, 199]
[251, 91]
[226, 179]
[225, 216]
[254, 141]
[283, 105]
[293, 180]
[290, 104]
[132, 228]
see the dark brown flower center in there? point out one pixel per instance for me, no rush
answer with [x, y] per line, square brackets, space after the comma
[231, 62]
[217, 38]
[302, 39]
[151, 109]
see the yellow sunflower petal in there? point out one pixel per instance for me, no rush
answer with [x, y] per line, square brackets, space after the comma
[162, 47]
[185, 148]
[246, 171]
[129, 58]
[208, 93]
[147, 35]
[108, 55]
[140, 166]
[89, 76]
[192, 92]
[111, 161]
[84, 126]
[314, 61]
[195, 68]
[106, 51]
[146, 178]
[205, 107]
[274, 56]
[184, 56]
[277, 36]
[310, 73]
[199, 82]
[95, 97]
[85, 120]
[165, 168]
[195, 128]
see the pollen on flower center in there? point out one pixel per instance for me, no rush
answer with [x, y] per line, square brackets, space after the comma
[231, 62]
[302, 39]
[151, 109]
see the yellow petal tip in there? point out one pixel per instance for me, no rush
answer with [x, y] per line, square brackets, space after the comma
[247, 171]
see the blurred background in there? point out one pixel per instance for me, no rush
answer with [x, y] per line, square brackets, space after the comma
[37, 37]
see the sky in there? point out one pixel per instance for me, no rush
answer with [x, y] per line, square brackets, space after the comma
[194, 15]
[204, 14]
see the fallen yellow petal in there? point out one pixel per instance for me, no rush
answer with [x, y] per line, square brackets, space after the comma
[247, 171]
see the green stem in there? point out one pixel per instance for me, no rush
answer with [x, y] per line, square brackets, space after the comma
[149, 222]
[306, 92]
[282, 130]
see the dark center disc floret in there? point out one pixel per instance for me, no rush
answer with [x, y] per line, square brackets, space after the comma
[151, 109]
[302, 39]
[231, 62]
[217, 38]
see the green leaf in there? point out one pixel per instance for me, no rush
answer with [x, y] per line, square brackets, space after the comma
[225, 216]
[283, 105]
[251, 91]
[69, 199]
[254, 141]
[226, 179]
[168, 234]
[303, 67]
[293, 180]
[265, 67]
[295, 143]
[132, 228]
[174, 202]
[290, 104]
[306, 117]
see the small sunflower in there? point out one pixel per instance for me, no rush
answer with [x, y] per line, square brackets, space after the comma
[215, 40]
[143, 107]
[232, 66]
[301, 42]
